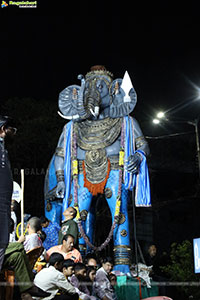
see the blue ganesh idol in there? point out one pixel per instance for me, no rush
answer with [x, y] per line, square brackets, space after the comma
[101, 150]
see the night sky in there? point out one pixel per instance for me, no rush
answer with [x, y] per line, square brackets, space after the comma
[42, 53]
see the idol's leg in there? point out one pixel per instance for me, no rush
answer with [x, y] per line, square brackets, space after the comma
[84, 202]
[121, 233]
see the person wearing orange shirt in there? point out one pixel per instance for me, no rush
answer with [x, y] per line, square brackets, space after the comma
[66, 249]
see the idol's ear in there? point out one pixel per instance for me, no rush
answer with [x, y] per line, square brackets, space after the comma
[67, 102]
[123, 96]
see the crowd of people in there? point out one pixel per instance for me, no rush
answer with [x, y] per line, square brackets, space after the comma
[60, 272]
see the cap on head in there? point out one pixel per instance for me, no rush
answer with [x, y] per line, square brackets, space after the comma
[4, 120]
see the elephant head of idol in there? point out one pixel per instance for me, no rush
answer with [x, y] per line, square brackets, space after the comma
[99, 96]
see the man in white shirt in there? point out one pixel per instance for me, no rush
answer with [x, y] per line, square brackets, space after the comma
[52, 280]
[32, 240]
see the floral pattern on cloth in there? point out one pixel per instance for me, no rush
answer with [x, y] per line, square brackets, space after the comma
[51, 232]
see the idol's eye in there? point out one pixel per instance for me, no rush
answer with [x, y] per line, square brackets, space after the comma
[99, 86]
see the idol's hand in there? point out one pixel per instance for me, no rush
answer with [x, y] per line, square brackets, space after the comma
[60, 190]
[133, 163]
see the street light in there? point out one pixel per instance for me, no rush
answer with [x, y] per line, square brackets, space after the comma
[160, 115]
[156, 121]
[193, 123]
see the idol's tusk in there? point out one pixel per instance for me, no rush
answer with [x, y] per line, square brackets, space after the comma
[64, 117]
[96, 110]
[92, 112]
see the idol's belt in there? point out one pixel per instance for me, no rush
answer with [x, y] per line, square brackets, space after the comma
[114, 163]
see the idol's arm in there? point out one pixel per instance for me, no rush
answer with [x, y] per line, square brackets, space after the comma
[59, 167]
[135, 160]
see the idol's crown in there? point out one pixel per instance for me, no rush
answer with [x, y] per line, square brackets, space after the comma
[99, 70]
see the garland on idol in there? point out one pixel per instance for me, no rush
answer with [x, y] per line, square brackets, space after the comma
[75, 182]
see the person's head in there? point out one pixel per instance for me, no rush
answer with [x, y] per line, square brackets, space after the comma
[107, 264]
[44, 221]
[70, 213]
[33, 225]
[90, 260]
[80, 271]
[6, 127]
[92, 263]
[13, 205]
[68, 243]
[68, 267]
[152, 250]
[56, 260]
[91, 273]
[113, 279]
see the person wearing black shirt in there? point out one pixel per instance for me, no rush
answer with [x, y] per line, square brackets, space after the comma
[6, 185]
[157, 260]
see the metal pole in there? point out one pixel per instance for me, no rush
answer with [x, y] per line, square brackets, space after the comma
[195, 124]
[134, 230]
[197, 143]
[22, 201]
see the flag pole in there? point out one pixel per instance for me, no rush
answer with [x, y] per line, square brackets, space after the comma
[22, 201]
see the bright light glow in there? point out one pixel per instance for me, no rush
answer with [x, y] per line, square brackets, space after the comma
[156, 121]
[160, 115]
[196, 88]
[198, 93]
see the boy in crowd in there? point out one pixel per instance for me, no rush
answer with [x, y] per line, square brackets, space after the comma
[91, 260]
[51, 230]
[78, 280]
[68, 268]
[103, 288]
[32, 240]
[69, 226]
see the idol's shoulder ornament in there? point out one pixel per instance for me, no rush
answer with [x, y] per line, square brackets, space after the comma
[101, 150]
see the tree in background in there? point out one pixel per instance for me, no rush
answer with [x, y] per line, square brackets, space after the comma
[181, 271]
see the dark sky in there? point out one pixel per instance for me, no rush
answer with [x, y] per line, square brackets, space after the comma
[42, 52]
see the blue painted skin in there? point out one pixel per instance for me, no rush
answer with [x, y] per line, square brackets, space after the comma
[91, 94]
